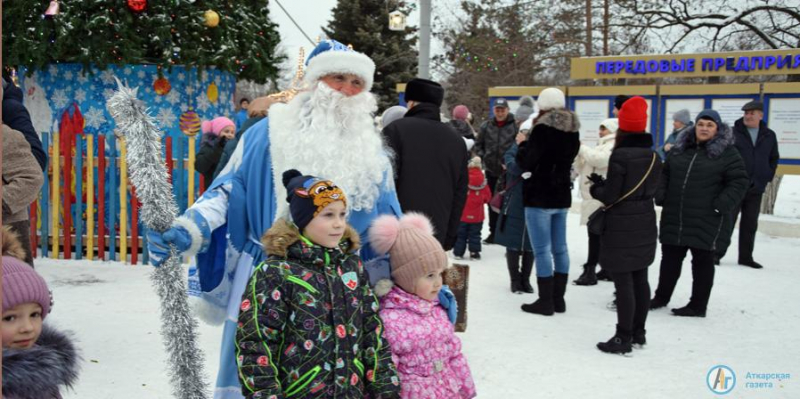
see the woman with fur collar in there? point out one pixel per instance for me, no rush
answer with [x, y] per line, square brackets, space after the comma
[702, 181]
[546, 159]
[38, 361]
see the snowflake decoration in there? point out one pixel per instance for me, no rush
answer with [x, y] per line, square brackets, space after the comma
[128, 71]
[184, 108]
[158, 99]
[189, 90]
[202, 102]
[166, 118]
[53, 71]
[60, 99]
[80, 95]
[141, 74]
[181, 76]
[107, 77]
[95, 117]
[218, 80]
[173, 97]
[68, 76]
[92, 88]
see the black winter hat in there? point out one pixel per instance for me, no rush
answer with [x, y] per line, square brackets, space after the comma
[424, 91]
[619, 100]
[308, 195]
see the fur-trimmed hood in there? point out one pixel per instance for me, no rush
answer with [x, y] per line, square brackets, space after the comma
[41, 371]
[714, 147]
[561, 119]
[283, 234]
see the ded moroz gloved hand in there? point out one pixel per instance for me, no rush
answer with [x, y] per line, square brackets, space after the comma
[189, 234]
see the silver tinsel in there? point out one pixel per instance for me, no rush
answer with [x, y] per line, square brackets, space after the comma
[148, 174]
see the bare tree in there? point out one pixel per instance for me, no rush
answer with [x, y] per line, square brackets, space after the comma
[719, 24]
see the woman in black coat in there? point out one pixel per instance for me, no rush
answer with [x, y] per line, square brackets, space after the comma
[702, 181]
[628, 243]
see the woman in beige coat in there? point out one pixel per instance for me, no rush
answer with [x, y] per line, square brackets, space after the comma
[22, 180]
[593, 160]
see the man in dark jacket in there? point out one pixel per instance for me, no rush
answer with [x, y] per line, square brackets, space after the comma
[16, 116]
[430, 161]
[758, 146]
[495, 137]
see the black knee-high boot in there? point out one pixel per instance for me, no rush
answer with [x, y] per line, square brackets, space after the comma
[525, 275]
[559, 288]
[543, 305]
[512, 260]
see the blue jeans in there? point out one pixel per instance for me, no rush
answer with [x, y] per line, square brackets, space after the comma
[468, 233]
[548, 232]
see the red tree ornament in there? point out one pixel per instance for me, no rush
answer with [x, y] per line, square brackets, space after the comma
[137, 5]
[161, 86]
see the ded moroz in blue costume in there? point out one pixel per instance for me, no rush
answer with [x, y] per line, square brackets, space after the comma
[321, 132]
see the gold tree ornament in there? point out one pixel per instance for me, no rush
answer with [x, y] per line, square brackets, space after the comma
[212, 18]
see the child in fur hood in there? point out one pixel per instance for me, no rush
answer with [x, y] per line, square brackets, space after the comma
[424, 345]
[308, 321]
[37, 360]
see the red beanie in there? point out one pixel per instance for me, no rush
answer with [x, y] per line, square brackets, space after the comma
[633, 115]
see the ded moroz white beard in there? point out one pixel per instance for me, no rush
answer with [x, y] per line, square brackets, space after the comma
[326, 134]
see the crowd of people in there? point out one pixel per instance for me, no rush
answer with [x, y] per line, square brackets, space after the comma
[322, 237]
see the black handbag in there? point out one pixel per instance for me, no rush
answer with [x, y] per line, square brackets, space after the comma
[597, 220]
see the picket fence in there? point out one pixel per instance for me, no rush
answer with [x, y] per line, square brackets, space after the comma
[87, 208]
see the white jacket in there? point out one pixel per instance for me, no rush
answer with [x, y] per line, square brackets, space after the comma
[592, 160]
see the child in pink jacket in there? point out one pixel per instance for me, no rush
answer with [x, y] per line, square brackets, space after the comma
[425, 349]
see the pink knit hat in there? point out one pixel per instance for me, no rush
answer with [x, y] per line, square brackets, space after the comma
[216, 125]
[21, 284]
[460, 112]
[413, 250]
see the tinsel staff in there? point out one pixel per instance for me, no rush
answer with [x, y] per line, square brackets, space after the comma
[158, 210]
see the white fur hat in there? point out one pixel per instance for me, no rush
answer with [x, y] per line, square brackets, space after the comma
[331, 56]
[551, 98]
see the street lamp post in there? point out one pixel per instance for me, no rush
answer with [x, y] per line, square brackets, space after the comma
[424, 39]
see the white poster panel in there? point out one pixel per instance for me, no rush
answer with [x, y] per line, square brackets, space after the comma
[784, 120]
[730, 109]
[591, 113]
[673, 105]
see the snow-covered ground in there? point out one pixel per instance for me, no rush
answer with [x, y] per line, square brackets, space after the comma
[752, 325]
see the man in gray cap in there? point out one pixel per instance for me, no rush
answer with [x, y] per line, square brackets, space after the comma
[496, 136]
[758, 146]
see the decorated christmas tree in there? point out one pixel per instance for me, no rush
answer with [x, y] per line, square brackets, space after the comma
[364, 24]
[233, 36]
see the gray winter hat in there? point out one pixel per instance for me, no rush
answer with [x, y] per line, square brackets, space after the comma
[683, 116]
[525, 109]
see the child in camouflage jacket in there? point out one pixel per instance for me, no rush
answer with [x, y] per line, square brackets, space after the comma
[308, 323]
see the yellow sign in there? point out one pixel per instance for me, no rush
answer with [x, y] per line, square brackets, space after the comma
[767, 62]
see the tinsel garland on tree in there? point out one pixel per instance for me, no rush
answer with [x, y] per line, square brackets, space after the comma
[148, 174]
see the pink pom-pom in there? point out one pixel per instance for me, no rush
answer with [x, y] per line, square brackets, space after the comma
[207, 127]
[383, 233]
[417, 221]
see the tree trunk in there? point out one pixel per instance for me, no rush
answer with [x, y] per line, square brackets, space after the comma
[588, 28]
[770, 195]
[605, 27]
